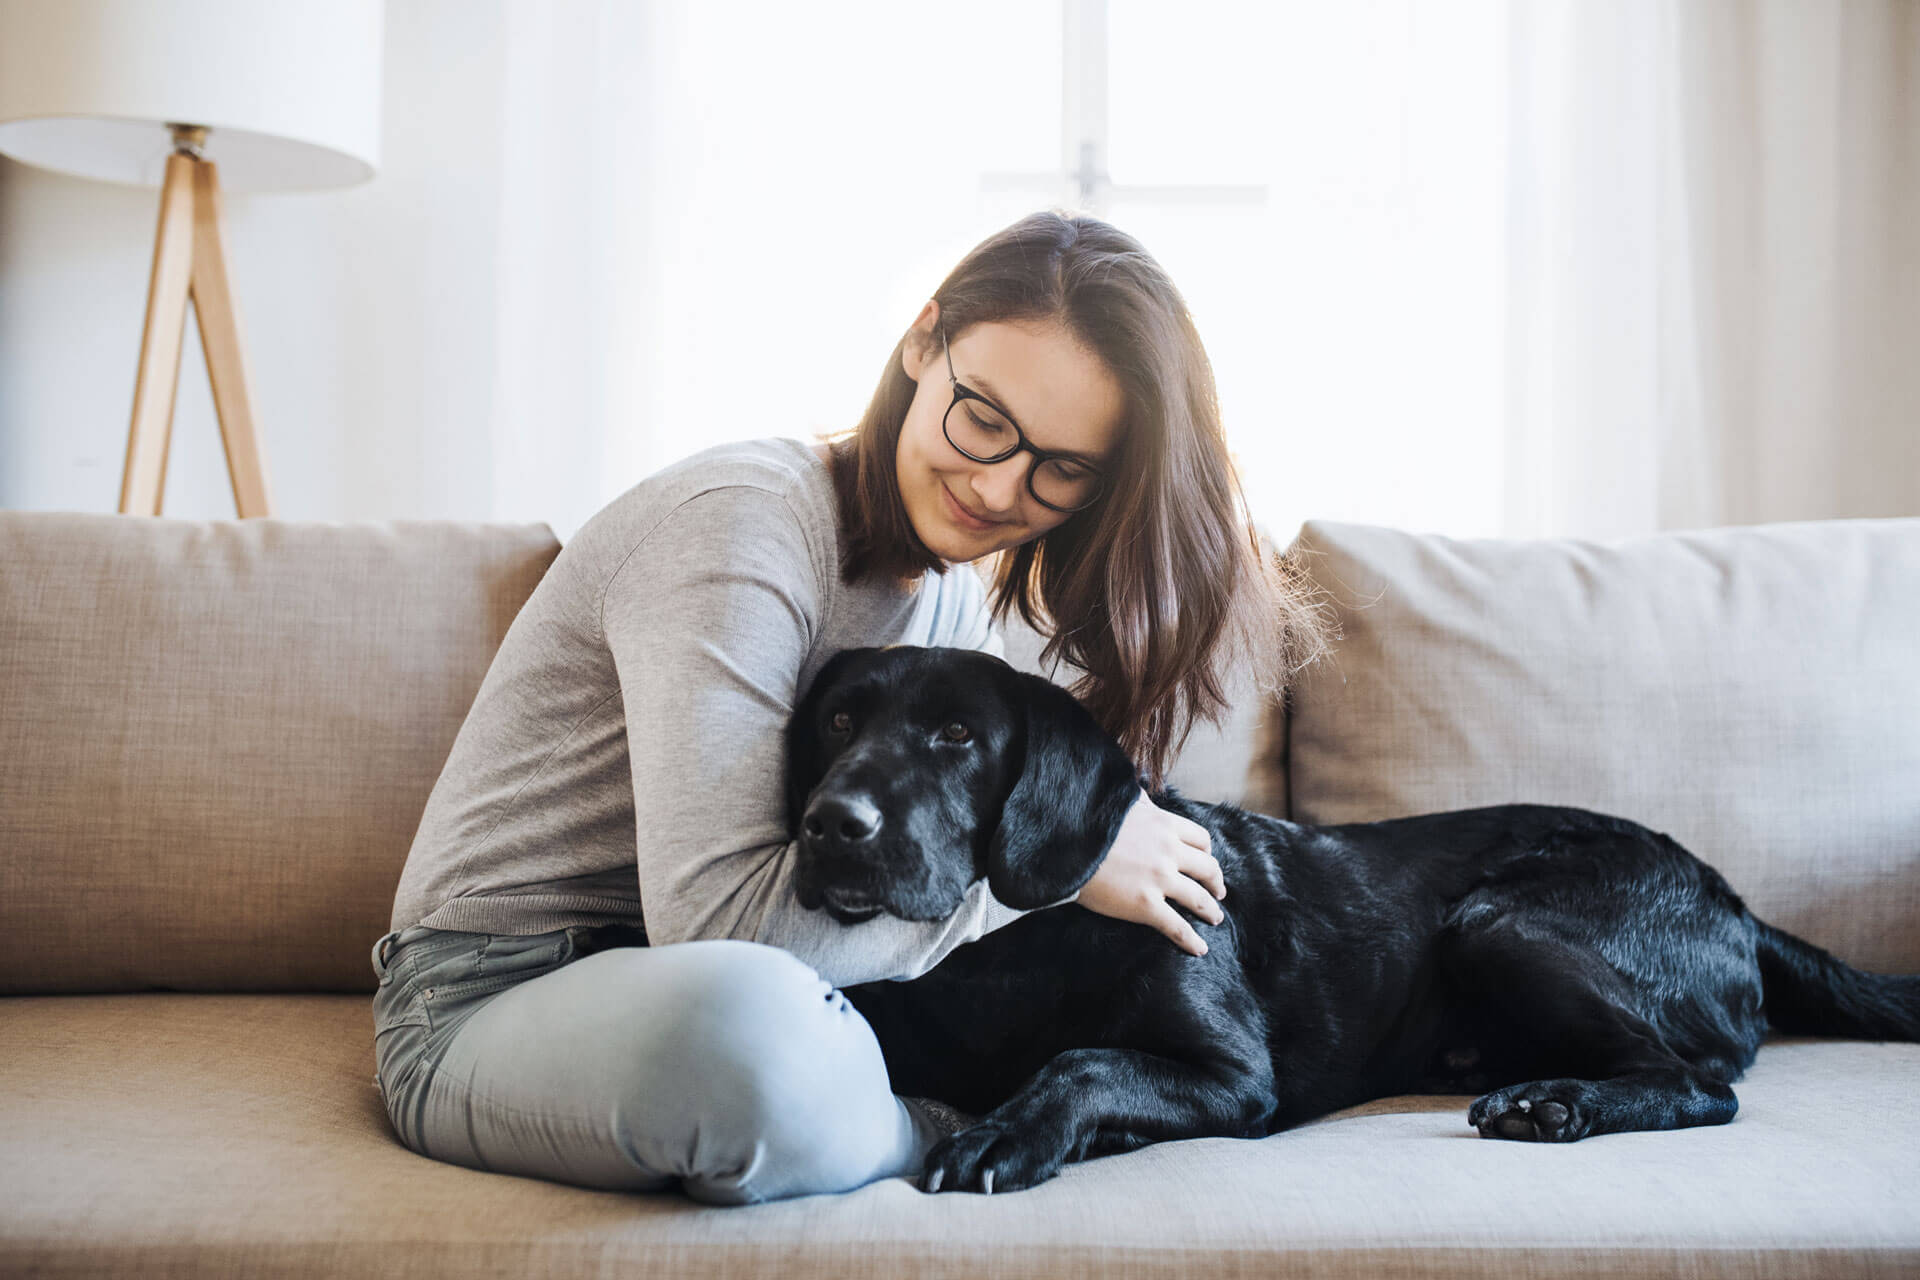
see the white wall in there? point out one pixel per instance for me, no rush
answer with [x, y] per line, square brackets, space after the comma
[663, 222]
[368, 314]
[607, 233]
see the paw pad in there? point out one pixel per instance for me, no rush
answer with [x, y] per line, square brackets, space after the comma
[1526, 1118]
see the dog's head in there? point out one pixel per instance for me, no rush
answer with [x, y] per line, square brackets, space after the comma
[913, 772]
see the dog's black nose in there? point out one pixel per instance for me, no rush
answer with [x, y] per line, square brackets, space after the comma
[847, 819]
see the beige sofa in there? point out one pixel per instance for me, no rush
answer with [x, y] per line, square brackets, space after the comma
[216, 739]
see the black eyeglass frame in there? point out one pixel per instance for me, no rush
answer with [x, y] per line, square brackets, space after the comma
[1041, 456]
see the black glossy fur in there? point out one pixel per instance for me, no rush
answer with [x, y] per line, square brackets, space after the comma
[1581, 973]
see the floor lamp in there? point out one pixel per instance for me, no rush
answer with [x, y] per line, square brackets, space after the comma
[199, 96]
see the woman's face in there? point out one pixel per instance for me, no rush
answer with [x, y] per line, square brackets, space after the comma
[1062, 396]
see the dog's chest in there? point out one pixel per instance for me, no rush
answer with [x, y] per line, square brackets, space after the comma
[1021, 994]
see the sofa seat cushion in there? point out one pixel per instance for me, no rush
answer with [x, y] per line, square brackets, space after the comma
[193, 1134]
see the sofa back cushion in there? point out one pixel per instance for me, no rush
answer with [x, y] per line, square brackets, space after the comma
[217, 738]
[1754, 692]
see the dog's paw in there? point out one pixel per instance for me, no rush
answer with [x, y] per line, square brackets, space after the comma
[990, 1157]
[1541, 1111]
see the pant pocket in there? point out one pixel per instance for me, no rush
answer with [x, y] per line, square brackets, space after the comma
[449, 990]
[397, 1003]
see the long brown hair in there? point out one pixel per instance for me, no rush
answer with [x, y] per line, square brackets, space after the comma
[1163, 587]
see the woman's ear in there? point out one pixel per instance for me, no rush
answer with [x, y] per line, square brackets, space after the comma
[921, 341]
[1074, 789]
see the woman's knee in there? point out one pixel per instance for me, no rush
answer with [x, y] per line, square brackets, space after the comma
[776, 1077]
[752, 1011]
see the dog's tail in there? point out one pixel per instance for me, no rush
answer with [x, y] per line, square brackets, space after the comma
[1807, 991]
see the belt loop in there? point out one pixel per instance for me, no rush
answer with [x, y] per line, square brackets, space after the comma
[379, 958]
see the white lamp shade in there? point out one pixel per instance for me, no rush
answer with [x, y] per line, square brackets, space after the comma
[290, 89]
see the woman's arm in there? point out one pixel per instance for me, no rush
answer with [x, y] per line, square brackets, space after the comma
[709, 622]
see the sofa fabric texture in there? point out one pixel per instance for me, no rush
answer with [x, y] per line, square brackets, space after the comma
[270, 1155]
[1754, 692]
[216, 740]
[217, 737]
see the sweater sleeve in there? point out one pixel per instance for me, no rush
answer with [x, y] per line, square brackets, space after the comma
[709, 621]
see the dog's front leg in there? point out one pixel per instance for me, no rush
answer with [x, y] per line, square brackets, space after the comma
[1123, 1097]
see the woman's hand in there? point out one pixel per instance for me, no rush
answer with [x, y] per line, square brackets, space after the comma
[1158, 858]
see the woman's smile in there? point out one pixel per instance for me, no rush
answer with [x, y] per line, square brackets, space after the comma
[964, 518]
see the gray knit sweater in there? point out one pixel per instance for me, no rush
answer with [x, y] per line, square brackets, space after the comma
[623, 758]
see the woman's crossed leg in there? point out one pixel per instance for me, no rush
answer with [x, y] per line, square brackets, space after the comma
[730, 1066]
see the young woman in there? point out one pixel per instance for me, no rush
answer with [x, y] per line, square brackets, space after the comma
[598, 971]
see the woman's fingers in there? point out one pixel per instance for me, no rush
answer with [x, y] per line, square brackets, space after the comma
[1192, 832]
[1199, 863]
[1175, 926]
[1196, 897]
[1203, 867]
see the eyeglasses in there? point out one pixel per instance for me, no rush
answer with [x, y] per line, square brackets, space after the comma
[1057, 481]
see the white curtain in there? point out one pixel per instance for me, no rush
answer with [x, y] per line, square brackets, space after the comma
[714, 221]
[1534, 268]
[1714, 263]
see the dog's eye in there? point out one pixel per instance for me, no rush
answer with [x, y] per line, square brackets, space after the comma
[841, 722]
[956, 732]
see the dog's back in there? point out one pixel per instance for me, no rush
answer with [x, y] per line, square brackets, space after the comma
[1470, 949]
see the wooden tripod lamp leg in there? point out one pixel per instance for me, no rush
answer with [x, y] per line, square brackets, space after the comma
[189, 259]
[145, 478]
[213, 304]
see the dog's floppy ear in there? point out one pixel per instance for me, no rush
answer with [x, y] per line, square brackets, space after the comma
[806, 759]
[1074, 790]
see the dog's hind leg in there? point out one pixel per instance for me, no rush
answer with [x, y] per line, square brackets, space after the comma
[1568, 1007]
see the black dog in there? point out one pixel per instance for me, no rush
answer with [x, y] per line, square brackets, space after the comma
[1582, 973]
